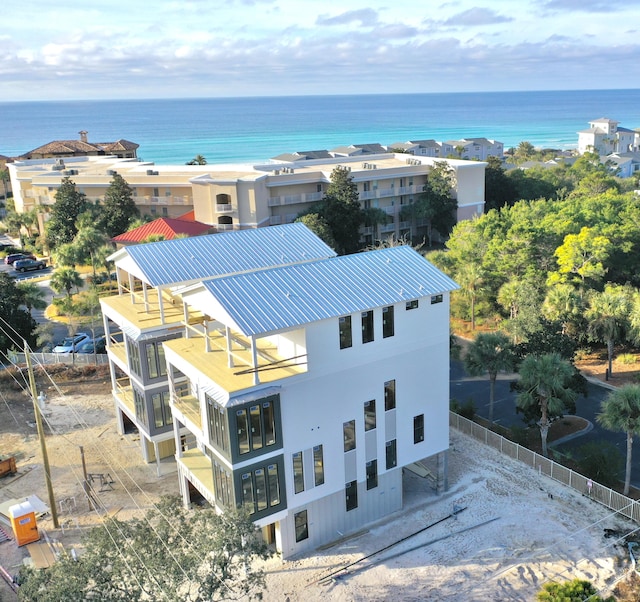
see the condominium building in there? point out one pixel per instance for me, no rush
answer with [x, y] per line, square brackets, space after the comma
[286, 380]
[605, 136]
[232, 197]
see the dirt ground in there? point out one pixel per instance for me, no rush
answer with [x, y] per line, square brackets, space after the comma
[538, 530]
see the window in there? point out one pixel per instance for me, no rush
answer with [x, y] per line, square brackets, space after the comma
[369, 415]
[436, 299]
[372, 474]
[156, 192]
[351, 495]
[247, 492]
[134, 357]
[418, 428]
[345, 332]
[391, 454]
[389, 395]
[298, 473]
[274, 485]
[302, 525]
[242, 423]
[318, 465]
[161, 409]
[217, 425]
[261, 489]
[349, 432]
[141, 407]
[156, 364]
[367, 326]
[387, 322]
[256, 427]
[411, 304]
[165, 212]
[223, 485]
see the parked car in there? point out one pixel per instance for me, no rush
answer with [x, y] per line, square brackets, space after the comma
[71, 344]
[26, 265]
[13, 257]
[99, 344]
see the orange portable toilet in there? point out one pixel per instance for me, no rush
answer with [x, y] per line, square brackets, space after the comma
[23, 522]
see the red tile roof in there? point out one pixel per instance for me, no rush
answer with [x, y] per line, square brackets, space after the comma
[164, 226]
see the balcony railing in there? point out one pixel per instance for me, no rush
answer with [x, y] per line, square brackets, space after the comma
[293, 199]
[224, 208]
[188, 404]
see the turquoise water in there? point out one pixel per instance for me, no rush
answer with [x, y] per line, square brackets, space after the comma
[255, 129]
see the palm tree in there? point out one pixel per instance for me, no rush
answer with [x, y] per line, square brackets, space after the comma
[88, 240]
[490, 353]
[562, 304]
[621, 412]
[545, 382]
[64, 279]
[608, 315]
[470, 277]
[197, 160]
[32, 296]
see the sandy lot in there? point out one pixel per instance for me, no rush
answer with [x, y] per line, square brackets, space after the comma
[538, 531]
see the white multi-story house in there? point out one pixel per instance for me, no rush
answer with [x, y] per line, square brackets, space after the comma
[146, 312]
[306, 388]
[604, 137]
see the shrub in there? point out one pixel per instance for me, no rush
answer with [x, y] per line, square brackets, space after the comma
[577, 590]
[601, 461]
[627, 358]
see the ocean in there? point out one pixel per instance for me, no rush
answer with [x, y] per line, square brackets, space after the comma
[228, 130]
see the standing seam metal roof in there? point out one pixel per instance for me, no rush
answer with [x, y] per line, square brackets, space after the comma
[190, 259]
[286, 297]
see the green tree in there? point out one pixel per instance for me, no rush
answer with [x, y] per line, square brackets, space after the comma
[607, 316]
[524, 152]
[170, 554]
[88, 240]
[583, 255]
[119, 209]
[562, 304]
[70, 203]
[197, 160]
[4, 178]
[340, 208]
[33, 297]
[489, 354]
[499, 190]
[67, 254]
[435, 204]
[319, 226]
[621, 412]
[544, 390]
[471, 278]
[65, 279]
[576, 590]
[17, 324]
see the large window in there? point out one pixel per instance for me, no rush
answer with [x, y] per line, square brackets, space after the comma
[369, 415]
[318, 465]
[223, 485]
[391, 454]
[247, 493]
[141, 407]
[411, 304]
[418, 428]
[161, 409]
[134, 357]
[349, 433]
[302, 525]
[372, 474]
[274, 484]
[346, 339]
[351, 495]
[260, 488]
[217, 419]
[388, 327]
[298, 472]
[256, 426]
[367, 326]
[156, 364]
[389, 395]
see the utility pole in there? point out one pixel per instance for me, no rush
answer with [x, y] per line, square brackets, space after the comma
[85, 482]
[43, 444]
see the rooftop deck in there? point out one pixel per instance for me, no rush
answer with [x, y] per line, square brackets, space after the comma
[214, 364]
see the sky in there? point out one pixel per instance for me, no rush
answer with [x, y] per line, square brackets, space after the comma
[212, 48]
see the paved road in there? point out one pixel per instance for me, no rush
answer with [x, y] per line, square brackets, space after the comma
[464, 388]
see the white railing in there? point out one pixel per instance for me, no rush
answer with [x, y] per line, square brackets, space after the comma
[79, 359]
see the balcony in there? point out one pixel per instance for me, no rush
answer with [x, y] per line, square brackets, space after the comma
[124, 394]
[293, 199]
[224, 208]
[197, 468]
[119, 352]
[387, 228]
[188, 405]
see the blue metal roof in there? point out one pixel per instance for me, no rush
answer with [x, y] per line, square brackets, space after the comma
[286, 297]
[191, 259]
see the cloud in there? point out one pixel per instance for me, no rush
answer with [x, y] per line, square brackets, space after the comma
[365, 16]
[588, 6]
[477, 16]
